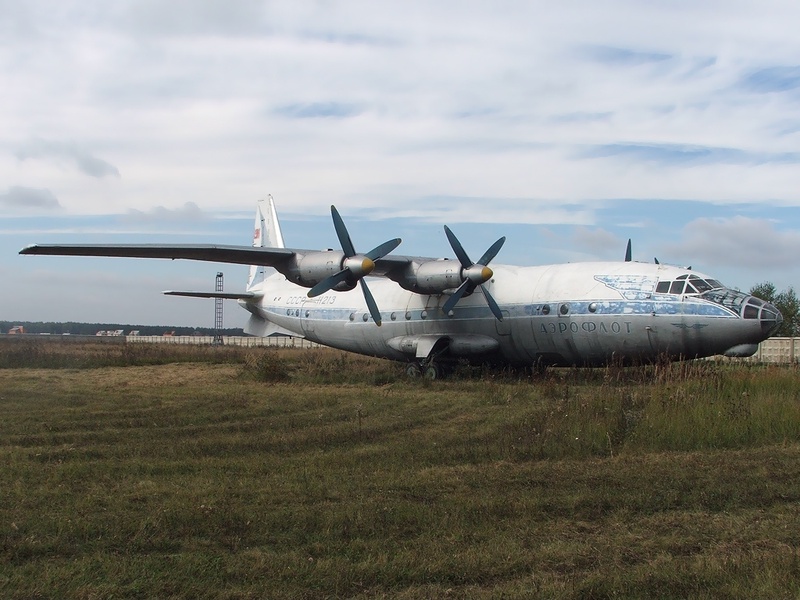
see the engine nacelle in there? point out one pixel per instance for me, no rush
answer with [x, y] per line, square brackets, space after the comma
[310, 269]
[433, 277]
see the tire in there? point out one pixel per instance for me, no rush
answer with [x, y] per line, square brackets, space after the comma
[413, 371]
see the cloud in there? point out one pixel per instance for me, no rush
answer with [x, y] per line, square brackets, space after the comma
[25, 197]
[86, 163]
[316, 110]
[611, 55]
[675, 154]
[432, 112]
[773, 79]
[192, 18]
[159, 214]
[746, 242]
[598, 242]
[464, 209]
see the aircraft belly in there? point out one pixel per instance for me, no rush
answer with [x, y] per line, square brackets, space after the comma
[694, 335]
[583, 340]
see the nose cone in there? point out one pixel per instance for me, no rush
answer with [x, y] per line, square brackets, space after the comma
[770, 317]
[360, 266]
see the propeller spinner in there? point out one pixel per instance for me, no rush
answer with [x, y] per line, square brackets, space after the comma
[354, 266]
[474, 274]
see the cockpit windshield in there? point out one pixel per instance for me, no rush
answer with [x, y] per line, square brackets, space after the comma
[687, 284]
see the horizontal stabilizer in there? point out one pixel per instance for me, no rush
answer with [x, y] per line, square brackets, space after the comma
[225, 295]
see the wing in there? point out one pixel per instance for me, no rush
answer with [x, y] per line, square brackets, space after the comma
[288, 261]
[243, 255]
[223, 295]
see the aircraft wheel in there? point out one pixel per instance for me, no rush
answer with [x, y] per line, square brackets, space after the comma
[433, 371]
[413, 371]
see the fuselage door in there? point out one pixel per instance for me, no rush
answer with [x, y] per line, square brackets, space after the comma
[306, 322]
[504, 326]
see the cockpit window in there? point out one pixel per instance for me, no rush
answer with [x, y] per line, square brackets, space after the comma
[693, 285]
[728, 298]
[702, 285]
[750, 312]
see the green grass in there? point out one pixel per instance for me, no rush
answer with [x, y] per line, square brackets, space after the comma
[227, 473]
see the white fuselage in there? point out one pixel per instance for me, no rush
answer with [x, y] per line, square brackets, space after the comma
[570, 314]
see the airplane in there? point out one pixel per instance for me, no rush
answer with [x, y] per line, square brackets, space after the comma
[434, 312]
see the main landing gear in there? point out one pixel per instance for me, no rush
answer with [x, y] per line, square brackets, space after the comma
[429, 370]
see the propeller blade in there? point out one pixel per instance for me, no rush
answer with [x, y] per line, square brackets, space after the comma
[474, 274]
[458, 248]
[453, 300]
[354, 266]
[371, 304]
[492, 252]
[383, 249]
[341, 233]
[492, 304]
[328, 283]
[628, 254]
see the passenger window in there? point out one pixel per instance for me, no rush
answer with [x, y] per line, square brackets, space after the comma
[676, 288]
[662, 287]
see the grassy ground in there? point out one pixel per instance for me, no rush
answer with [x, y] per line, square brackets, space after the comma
[227, 473]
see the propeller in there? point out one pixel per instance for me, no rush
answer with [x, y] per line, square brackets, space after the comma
[474, 274]
[354, 266]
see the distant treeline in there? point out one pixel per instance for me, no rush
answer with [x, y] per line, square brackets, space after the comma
[93, 328]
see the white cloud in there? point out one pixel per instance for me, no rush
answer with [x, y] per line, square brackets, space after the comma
[740, 242]
[85, 162]
[19, 197]
[159, 214]
[450, 111]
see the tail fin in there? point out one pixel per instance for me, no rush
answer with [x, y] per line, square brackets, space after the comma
[267, 234]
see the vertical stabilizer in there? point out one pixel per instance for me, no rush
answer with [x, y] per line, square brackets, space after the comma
[266, 234]
[274, 237]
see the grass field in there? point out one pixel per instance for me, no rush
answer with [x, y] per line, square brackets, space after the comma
[139, 471]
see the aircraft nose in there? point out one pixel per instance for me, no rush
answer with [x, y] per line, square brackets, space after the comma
[770, 317]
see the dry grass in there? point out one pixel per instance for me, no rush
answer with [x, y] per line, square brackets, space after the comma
[313, 474]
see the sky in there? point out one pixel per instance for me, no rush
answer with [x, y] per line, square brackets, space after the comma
[567, 127]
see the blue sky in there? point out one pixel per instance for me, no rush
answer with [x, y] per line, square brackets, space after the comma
[567, 128]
